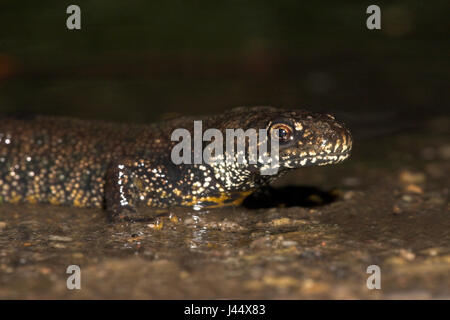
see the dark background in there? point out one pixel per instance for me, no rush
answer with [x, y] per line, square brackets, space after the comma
[138, 60]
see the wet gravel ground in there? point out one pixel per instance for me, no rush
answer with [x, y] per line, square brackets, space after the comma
[312, 236]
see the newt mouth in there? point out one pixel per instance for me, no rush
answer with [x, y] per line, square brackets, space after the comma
[329, 158]
[319, 159]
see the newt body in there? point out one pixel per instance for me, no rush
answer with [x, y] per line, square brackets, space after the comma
[121, 166]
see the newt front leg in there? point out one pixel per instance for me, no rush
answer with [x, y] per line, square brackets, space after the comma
[132, 183]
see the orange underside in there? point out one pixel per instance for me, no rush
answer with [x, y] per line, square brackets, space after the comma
[219, 201]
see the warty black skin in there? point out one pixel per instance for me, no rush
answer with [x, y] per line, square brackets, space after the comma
[121, 166]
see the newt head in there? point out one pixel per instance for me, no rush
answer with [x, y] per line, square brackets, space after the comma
[307, 139]
[304, 138]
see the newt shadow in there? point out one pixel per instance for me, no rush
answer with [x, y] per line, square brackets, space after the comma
[290, 196]
[265, 198]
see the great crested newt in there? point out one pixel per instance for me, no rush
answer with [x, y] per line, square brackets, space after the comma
[120, 167]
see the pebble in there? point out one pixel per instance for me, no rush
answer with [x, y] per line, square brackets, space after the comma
[407, 254]
[413, 188]
[45, 271]
[289, 243]
[407, 176]
[348, 195]
[158, 225]
[433, 252]
[2, 225]
[281, 222]
[59, 238]
[282, 282]
[58, 246]
[407, 198]
[225, 225]
[262, 242]
[396, 209]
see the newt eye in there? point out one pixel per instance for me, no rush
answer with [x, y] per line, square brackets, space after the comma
[281, 131]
